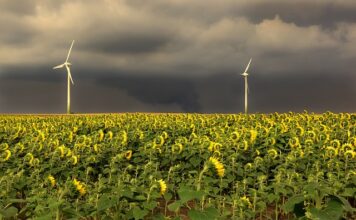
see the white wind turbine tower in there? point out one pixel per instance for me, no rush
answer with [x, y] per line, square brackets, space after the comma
[245, 74]
[69, 76]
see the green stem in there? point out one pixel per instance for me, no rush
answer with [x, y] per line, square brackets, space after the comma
[206, 167]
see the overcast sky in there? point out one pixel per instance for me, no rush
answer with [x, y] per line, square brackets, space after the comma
[178, 55]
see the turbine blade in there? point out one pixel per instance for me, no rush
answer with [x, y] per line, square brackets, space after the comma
[248, 65]
[59, 66]
[70, 49]
[69, 74]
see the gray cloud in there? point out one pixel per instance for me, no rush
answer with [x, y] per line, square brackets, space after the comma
[327, 13]
[180, 55]
[19, 8]
[130, 43]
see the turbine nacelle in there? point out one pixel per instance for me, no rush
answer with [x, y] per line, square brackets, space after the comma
[244, 74]
[62, 65]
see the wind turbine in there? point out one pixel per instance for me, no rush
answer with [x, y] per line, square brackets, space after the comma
[245, 74]
[69, 76]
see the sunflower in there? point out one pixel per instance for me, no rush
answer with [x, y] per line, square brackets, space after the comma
[128, 154]
[75, 160]
[294, 142]
[161, 141]
[323, 137]
[235, 136]
[271, 141]
[141, 135]
[110, 135]
[245, 145]
[335, 143]
[311, 134]
[258, 152]
[7, 155]
[163, 186]
[179, 146]
[248, 166]
[101, 135]
[52, 180]
[211, 146]
[253, 136]
[332, 150]
[218, 166]
[4, 146]
[79, 186]
[272, 153]
[258, 160]
[124, 138]
[350, 153]
[300, 131]
[309, 142]
[165, 135]
[347, 146]
[246, 201]
[95, 147]
[30, 158]
[61, 149]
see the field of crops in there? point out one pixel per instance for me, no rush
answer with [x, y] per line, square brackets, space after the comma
[178, 166]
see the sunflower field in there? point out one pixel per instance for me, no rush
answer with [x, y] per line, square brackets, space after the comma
[178, 166]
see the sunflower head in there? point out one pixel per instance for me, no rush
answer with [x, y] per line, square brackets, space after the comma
[110, 134]
[246, 201]
[5, 156]
[331, 151]
[74, 159]
[128, 154]
[219, 167]
[347, 146]
[162, 186]
[311, 134]
[253, 136]
[335, 143]
[294, 142]
[101, 135]
[350, 153]
[79, 187]
[235, 136]
[272, 153]
[299, 131]
[52, 180]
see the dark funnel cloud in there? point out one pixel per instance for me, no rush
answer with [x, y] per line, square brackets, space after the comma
[155, 89]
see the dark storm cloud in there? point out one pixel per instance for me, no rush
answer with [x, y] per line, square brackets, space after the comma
[302, 13]
[131, 43]
[153, 92]
[29, 96]
[318, 93]
[158, 90]
[19, 8]
[224, 93]
[178, 55]
[36, 73]
[326, 13]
